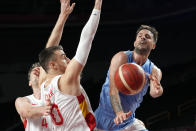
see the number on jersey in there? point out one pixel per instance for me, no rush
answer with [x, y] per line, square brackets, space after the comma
[44, 122]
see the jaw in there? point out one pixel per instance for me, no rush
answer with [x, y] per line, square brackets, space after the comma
[142, 51]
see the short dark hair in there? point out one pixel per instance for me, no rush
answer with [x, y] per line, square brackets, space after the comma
[151, 29]
[47, 55]
[31, 68]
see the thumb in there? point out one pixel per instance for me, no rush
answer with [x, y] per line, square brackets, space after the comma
[128, 114]
[72, 6]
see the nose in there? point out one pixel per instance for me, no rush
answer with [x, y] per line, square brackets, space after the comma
[143, 38]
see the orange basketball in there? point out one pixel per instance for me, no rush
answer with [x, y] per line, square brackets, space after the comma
[130, 78]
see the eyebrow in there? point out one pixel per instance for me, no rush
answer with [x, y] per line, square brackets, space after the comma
[63, 54]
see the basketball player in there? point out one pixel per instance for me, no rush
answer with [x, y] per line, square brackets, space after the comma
[71, 109]
[116, 111]
[33, 112]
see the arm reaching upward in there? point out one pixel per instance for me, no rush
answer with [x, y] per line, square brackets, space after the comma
[56, 34]
[71, 79]
[88, 34]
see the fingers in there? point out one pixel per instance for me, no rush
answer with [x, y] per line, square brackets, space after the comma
[67, 2]
[62, 1]
[48, 102]
[72, 6]
[150, 76]
[66, 7]
[155, 80]
[47, 111]
[36, 71]
[128, 114]
[121, 117]
[116, 120]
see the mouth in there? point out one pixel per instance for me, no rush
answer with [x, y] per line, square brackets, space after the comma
[142, 42]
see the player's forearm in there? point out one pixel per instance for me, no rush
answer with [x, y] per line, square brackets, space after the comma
[87, 37]
[57, 32]
[115, 101]
[32, 112]
[114, 94]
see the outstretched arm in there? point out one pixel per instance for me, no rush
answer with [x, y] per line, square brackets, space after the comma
[26, 110]
[156, 89]
[75, 66]
[119, 59]
[88, 34]
[56, 34]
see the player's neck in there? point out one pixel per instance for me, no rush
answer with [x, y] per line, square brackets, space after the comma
[139, 59]
[51, 74]
[37, 93]
[49, 77]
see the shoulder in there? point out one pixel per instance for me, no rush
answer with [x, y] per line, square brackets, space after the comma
[117, 60]
[20, 103]
[155, 68]
[20, 100]
[120, 55]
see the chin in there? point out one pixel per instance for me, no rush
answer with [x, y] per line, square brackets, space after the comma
[142, 51]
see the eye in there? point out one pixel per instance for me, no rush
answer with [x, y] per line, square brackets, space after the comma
[147, 36]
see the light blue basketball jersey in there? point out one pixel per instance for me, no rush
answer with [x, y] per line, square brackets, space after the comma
[105, 114]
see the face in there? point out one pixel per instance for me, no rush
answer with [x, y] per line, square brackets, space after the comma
[144, 42]
[61, 61]
[34, 77]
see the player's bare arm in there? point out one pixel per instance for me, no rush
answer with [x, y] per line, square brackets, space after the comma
[156, 88]
[56, 34]
[119, 59]
[26, 110]
[70, 81]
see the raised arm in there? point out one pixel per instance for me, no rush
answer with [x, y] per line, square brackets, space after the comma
[118, 59]
[156, 89]
[56, 34]
[26, 110]
[71, 78]
[88, 34]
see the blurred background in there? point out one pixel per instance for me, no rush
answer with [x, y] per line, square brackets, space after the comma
[26, 25]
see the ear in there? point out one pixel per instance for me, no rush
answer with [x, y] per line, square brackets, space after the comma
[134, 43]
[30, 83]
[51, 64]
[154, 46]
